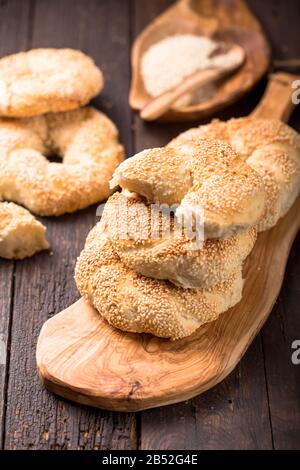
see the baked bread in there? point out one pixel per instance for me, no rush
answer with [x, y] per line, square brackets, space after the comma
[149, 241]
[205, 178]
[139, 304]
[270, 147]
[86, 140]
[21, 235]
[189, 171]
[47, 80]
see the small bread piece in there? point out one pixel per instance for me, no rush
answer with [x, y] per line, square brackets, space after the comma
[155, 246]
[21, 235]
[203, 177]
[47, 80]
[270, 147]
[140, 304]
[87, 141]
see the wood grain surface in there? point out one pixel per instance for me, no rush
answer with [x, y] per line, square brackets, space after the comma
[255, 407]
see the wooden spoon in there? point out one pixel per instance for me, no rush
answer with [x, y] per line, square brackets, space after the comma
[222, 20]
[158, 106]
[81, 357]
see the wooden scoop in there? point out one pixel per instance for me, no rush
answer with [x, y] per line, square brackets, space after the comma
[81, 357]
[224, 21]
[158, 106]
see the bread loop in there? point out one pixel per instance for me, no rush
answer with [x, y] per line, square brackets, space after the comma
[86, 140]
[148, 241]
[205, 175]
[139, 304]
[270, 147]
[21, 235]
[47, 80]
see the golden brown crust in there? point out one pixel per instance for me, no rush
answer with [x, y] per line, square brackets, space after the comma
[88, 143]
[270, 147]
[203, 175]
[106, 270]
[139, 304]
[21, 235]
[149, 242]
[47, 80]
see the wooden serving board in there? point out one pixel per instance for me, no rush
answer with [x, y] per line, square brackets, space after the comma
[81, 357]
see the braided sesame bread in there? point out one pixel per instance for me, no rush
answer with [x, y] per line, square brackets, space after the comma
[269, 146]
[47, 80]
[139, 304]
[21, 235]
[86, 140]
[148, 241]
[205, 176]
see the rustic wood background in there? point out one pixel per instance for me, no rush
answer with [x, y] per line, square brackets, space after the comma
[258, 405]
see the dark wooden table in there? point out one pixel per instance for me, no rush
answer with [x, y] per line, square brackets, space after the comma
[258, 405]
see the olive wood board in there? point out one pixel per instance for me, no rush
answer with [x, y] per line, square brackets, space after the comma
[82, 358]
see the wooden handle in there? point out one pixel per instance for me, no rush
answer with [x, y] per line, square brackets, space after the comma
[277, 100]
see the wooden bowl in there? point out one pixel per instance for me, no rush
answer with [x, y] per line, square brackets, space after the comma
[224, 20]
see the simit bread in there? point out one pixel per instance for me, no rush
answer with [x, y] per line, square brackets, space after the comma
[47, 80]
[86, 140]
[172, 255]
[270, 147]
[206, 175]
[139, 304]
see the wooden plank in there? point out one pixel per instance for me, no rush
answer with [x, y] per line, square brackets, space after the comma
[281, 20]
[14, 26]
[235, 413]
[6, 291]
[13, 36]
[283, 377]
[44, 284]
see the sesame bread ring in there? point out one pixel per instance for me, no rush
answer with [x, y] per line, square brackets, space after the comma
[206, 177]
[86, 140]
[21, 235]
[135, 303]
[155, 246]
[47, 80]
[270, 147]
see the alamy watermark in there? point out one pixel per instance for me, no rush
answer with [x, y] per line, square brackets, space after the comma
[296, 354]
[296, 93]
[141, 222]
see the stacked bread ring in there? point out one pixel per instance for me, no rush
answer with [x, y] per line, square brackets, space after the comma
[242, 175]
[41, 92]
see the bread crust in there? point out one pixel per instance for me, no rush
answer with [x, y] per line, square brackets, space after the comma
[47, 80]
[21, 235]
[139, 304]
[155, 246]
[86, 140]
